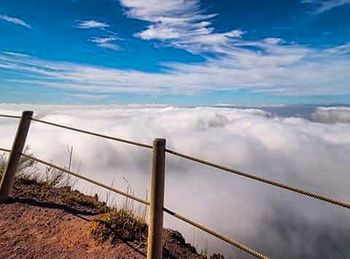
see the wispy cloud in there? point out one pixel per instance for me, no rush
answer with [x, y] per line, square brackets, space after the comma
[91, 24]
[274, 67]
[321, 6]
[15, 20]
[106, 42]
[87, 97]
[181, 24]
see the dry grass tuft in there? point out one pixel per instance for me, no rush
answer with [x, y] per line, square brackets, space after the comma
[2, 163]
[126, 224]
[71, 197]
[119, 225]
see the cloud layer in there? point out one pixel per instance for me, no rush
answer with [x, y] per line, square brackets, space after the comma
[332, 115]
[309, 154]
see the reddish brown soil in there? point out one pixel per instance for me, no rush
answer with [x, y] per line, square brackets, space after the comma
[36, 223]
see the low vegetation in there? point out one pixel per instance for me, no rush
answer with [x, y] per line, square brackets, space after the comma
[119, 225]
[2, 163]
[124, 224]
[50, 186]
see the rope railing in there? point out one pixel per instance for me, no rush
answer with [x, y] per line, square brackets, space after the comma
[263, 180]
[217, 235]
[86, 179]
[174, 214]
[94, 134]
[205, 229]
[158, 153]
[5, 150]
[10, 116]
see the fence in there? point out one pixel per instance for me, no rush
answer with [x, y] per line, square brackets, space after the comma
[157, 209]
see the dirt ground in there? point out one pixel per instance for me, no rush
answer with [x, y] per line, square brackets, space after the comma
[46, 227]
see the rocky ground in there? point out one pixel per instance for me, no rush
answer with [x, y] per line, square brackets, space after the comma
[42, 221]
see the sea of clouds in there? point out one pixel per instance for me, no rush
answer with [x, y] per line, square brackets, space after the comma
[311, 152]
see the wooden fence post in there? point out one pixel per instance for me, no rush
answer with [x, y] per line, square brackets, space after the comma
[155, 226]
[15, 155]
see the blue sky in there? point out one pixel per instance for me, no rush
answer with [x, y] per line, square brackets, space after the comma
[175, 51]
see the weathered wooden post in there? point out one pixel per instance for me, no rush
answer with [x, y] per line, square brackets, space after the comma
[15, 155]
[155, 226]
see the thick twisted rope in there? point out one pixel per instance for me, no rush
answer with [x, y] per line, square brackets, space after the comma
[5, 150]
[86, 179]
[264, 180]
[217, 235]
[10, 116]
[94, 134]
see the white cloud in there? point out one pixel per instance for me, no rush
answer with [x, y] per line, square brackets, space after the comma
[267, 65]
[263, 66]
[16, 54]
[87, 97]
[342, 49]
[321, 6]
[91, 24]
[106, 42]
[181, 24]
[332, 115]
[15, 20]
[297, 151]
[234, 34]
